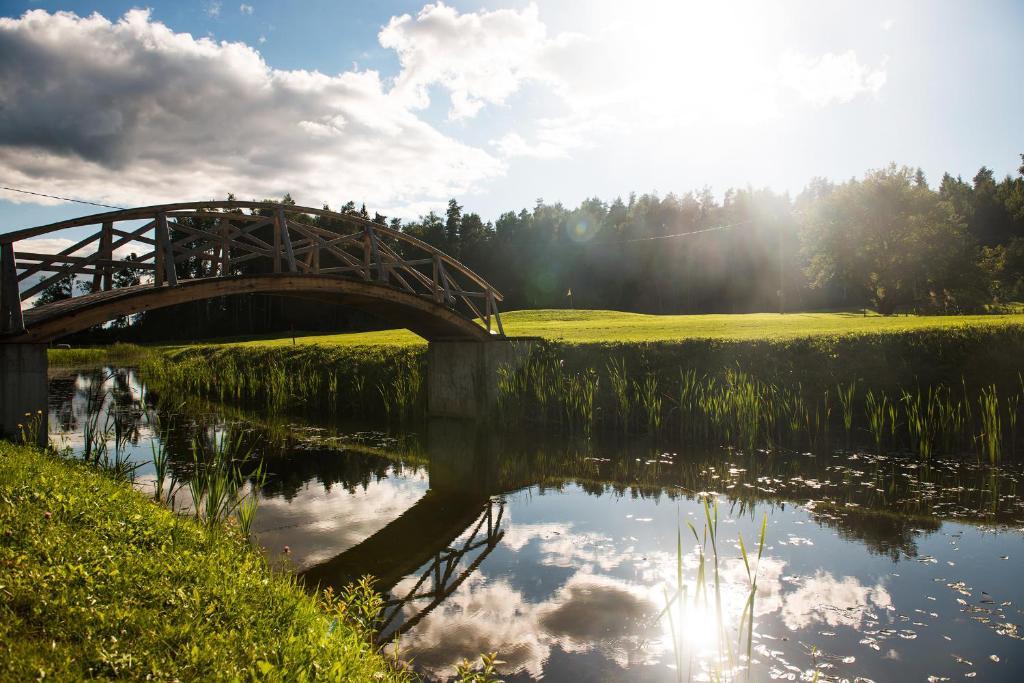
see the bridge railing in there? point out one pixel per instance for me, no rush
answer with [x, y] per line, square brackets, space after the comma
[218, 239]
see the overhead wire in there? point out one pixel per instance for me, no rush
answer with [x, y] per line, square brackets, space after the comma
[65, 199]
[674, 235]
[595, 244]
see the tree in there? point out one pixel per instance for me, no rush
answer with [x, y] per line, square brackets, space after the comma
[895, 241]
[919, 178]
[988, 221]
[429, 228]
[58, 290]
[453, 227]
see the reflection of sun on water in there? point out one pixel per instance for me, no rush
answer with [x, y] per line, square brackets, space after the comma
[703, 638]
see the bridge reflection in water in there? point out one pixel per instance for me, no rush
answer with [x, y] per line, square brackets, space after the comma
[443, 576]
[441, 539]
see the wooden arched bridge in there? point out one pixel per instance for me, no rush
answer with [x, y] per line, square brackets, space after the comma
[200, 250]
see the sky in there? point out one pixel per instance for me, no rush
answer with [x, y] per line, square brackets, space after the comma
[402, 105]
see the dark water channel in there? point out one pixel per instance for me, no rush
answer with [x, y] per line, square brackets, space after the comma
[561, 555]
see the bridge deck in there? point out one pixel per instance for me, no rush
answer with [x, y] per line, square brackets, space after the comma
[429, 319]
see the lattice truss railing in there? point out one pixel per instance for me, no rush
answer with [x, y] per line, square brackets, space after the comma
[223, 239]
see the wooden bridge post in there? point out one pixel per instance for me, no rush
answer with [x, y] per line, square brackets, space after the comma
[165, 270]
[438, 296]
[375, 255]
[225, 248]
[104, 272]
[497, 314]
[282, 238]
[10, 298]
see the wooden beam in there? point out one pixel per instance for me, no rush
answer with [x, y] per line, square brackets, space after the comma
[102, 276]
[371, 236]
[444, 283]
[165, 255]
[277, 245]
[436, 291]
[11, 319]
[225, 247]
[29, 272]
[497, 319]
[281, 224]
[48, 261]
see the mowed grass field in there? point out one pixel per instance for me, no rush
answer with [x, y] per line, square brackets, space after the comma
[588, 327]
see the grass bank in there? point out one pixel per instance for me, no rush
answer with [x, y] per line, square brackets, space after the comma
[603, 327]
[119, 354]
[99, 582]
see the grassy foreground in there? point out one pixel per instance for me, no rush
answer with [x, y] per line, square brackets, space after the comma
[98, 582]
[590, 327]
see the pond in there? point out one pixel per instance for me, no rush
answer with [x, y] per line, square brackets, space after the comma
[562, 555]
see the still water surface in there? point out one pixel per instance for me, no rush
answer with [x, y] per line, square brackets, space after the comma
[560, 556]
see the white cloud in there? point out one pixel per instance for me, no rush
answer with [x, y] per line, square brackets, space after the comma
[830, 77]
[822, 598]
[130, 112]
[887, 24]
[675, 69]
[213, 8]
[554, 138]
[245, 9]
[480, 57]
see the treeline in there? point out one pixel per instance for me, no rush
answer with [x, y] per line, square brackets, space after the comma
[888, 241]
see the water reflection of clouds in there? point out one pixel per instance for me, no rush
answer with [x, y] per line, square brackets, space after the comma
[599, 612]
[518, 536]
[488, 615]
[593, 611]
[484, 615]
[822, 598]
[559, 546]
[317, 523]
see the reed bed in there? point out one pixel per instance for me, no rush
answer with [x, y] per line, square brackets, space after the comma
[371, 381]
[736, 408]
[934, 391]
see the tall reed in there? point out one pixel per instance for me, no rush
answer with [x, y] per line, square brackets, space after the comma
[216, 481]
[682, 606]
[877, 414]
[991, 436]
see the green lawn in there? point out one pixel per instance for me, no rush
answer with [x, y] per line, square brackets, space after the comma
[100, 583]
[613, 326]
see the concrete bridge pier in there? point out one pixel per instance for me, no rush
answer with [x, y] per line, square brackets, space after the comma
[462, 376]
[23, 387]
